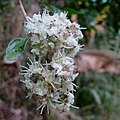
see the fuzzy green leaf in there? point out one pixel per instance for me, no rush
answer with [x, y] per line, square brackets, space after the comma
[16, 48]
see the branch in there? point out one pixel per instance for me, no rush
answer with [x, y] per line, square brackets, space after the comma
[22, 8]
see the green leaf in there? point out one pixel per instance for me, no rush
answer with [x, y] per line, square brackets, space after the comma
[96, 96]
[16, 48]
[73, 11]
[52, 8]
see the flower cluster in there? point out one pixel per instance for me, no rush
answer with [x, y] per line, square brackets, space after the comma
[54, 40]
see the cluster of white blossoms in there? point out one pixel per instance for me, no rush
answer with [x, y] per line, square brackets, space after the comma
[54, 42]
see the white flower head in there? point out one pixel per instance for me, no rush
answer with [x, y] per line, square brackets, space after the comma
[54, 40]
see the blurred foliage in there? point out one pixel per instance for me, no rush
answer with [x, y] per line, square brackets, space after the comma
[98, 93]
[90, 12]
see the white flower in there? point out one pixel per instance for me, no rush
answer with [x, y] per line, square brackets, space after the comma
[33, 68]
[40, 88]
[51, 44]
[54, 40]
[76, 30]
[57, 66]
[70, 98]
[35, 51]
[63, 73]
[68, 86]
[35, 39]
[27, 83]
[45, 24]
[71, 41]
[63, 65]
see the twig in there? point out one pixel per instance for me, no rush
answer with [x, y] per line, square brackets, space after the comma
[22, 8]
